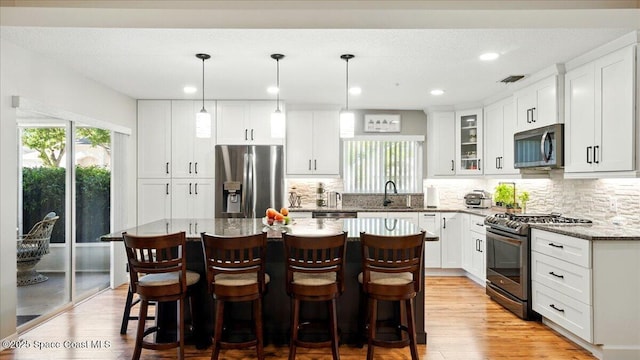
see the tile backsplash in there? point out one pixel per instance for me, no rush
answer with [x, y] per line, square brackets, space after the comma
[602, 200]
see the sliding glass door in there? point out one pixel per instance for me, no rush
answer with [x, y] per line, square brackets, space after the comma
[66, 175]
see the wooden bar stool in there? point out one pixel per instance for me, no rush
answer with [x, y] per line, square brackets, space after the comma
[315, 272]
[236, 273]
[162, 261]
[392, 271]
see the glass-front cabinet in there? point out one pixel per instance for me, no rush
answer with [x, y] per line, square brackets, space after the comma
[469, 142]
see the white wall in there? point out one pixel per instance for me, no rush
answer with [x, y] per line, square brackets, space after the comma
[26, 74]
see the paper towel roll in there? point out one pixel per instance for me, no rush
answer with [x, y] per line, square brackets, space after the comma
[432, 198]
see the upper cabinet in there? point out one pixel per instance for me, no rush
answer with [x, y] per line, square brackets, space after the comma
[245, 122]
[539, 104]
[313, 142]
[191, 156]
[469, 142]
[600, 118]
[499, 127]
[441, 131]
[154, 139]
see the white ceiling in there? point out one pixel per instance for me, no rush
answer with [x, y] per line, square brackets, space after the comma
[396, 68]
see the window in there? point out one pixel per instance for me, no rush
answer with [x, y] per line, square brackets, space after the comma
[369, 163]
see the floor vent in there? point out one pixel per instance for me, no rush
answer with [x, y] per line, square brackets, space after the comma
[511, 79]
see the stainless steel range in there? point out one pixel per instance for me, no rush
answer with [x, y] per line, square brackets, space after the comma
[509, 255]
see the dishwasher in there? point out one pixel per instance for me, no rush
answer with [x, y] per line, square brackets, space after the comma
[334, 214]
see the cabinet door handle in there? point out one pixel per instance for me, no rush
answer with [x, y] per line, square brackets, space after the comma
[315, 164]
[309, 164]
[196, 167]
[246, 131]
[480, 247]
[477, 246]
[556, 275]
[533, 118]
[166, 168]
[167, 189]
[444, 223]
[556, 246]
[588, 151]
[196, 188]
[479, 160]
[554, 307]
[481, 225]
[189, 167]
[497, 162]
[528, 116]
[189, 228]
[595, 154]
[251, 134]
[452, 165]
[190, 189]
[501, 162]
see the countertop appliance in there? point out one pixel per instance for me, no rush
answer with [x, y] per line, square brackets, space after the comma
[249, 180]
[509, 258]
[540, 148]
[478, 199]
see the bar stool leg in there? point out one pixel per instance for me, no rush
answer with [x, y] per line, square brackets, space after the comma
[127, 312]
[181, 329]
[257, 313]
[217, 333]
[295, 319]
[411, 327]
[141, 321]
[373, 311]
[334, 329]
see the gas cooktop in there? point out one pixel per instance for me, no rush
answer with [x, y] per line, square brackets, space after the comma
[519, 223]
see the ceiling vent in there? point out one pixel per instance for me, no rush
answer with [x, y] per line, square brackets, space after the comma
[511, 79]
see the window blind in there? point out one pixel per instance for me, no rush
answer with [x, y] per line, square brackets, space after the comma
[369, 164]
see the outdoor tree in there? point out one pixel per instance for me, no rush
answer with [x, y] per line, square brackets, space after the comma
[50, 143]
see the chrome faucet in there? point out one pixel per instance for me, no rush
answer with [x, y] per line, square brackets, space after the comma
[395, 191]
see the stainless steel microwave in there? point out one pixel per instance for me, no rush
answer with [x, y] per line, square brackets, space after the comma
[539, 148]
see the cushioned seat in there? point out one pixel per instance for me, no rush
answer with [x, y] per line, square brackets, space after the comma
[239, 279]
[164, 279]
[30, 248]
[379, 278]
[314, 279]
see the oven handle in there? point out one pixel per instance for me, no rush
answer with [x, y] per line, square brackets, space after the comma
[504, 238]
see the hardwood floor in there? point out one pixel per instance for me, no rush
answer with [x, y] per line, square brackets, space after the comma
[461, 322]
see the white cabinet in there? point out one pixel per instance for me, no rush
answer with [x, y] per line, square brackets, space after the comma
[473, 248]
[154, 200]
[313, 143]
[539, 104]
[600, 116]
[190, 156]
[192, 198]
[154, 139]
[431, 223]
[469, 142]
[451, 239]
[499, 127]
[245, 122]
[441, 147]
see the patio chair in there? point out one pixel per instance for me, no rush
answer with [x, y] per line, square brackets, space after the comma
[30, 249]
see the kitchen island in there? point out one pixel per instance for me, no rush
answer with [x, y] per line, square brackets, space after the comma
[276, 303]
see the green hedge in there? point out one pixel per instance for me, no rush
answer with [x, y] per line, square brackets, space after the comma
[44, 191]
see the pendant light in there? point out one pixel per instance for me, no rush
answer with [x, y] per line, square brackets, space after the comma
[347, 119]
[277, 117]
[203, 118]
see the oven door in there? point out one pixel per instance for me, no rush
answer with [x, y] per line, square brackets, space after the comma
[507, 262]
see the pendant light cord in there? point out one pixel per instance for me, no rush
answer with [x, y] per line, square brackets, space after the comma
[278, 85]
[203, 85]
[347, 85]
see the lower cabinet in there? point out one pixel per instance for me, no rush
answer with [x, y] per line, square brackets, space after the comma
[430, 222]
[473, 248]
[588, 290]
[192, 198]
[154, 200]
[451, 240]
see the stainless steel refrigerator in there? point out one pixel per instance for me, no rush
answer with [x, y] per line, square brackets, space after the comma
[249, 180]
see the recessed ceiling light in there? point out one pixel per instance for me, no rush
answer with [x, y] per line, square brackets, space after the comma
[189, 89]
[437, 92]
[489, 56]
[273, 90]
[355, 90]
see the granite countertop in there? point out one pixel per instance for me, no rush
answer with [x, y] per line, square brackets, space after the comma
[241, 227]
[324, 209]
[595, 232]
